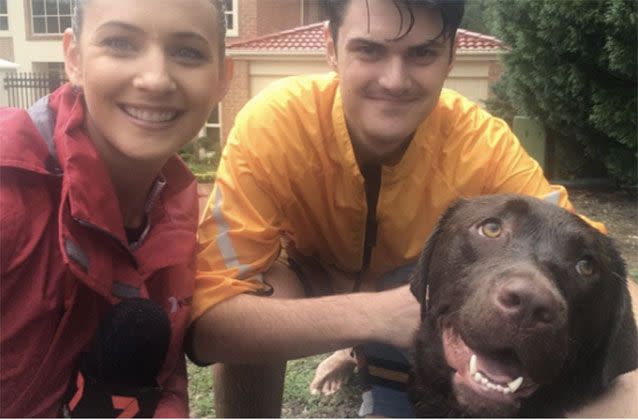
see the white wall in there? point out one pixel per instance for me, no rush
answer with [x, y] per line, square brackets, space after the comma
[27, 51]
[469, 76]
[262, 73]
[4, 96]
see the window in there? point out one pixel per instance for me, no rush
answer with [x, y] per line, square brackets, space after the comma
[51, 16]
[48, 67]
[213, 126]
[4, 16]
[231, 17]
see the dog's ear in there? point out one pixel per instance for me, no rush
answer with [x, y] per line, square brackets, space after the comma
[621, 355]
[419, 280]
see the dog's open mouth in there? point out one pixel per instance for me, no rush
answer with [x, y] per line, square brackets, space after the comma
[497, 376]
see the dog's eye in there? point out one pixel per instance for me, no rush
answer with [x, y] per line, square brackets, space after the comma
[491, 229]
[585, 267]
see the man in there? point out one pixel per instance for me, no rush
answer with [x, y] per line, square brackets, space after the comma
[350, 171]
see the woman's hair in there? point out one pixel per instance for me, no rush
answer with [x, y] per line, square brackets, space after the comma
[451, 14]
[80, 5]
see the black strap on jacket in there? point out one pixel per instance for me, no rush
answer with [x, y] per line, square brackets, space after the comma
[372, 179]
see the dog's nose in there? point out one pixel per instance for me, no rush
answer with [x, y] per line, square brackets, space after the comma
[528, 303]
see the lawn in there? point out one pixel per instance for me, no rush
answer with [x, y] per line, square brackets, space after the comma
[297, 399]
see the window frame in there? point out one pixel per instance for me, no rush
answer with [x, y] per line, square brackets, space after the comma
[43, 36]
[217, 125]
[5, 15]
[234, 31]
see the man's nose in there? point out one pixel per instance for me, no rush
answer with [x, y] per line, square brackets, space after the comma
[154, 74]
[395, 76]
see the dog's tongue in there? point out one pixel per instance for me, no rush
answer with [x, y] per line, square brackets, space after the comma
[499, 368]
[503, 369]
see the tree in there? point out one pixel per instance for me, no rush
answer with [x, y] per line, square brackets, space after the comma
[572, 65]
[476, 17]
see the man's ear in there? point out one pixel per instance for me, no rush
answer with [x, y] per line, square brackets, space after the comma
[331, 48]
[72, 58]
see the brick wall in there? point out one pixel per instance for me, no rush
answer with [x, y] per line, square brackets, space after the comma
[262, 17]
[274, 16]
[313, 12]
[277, 15]
[238, 95]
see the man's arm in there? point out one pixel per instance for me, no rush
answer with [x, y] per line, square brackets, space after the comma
[620, 400]
[246, 328]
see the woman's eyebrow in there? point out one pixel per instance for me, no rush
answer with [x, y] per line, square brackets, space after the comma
[117, 24]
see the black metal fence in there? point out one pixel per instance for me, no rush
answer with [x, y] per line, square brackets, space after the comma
[23, 89]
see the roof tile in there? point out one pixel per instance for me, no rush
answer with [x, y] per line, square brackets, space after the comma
[310, 39]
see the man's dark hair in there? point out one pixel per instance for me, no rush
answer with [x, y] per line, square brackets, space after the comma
[451, 14]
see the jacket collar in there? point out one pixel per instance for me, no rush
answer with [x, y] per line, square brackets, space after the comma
[344, 152]
[92, 199]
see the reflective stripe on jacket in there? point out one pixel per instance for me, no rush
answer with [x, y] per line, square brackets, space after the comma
[288, 170]
[65, 259]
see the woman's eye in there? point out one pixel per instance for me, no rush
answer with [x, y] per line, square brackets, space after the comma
[118, 44]
[491, 229]
[585, 267]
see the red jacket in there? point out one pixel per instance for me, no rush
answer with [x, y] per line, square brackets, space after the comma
[65, 259]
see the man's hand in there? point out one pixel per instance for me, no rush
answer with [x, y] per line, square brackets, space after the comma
[396, 315]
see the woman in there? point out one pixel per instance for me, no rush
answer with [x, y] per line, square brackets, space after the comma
[101, 209]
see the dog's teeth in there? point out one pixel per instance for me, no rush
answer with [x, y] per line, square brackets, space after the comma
[484, 380]
[515, 384]
[473, 368]
[477, 377]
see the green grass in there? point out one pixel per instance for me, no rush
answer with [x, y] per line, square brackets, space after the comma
[297, 401]
[203, 171]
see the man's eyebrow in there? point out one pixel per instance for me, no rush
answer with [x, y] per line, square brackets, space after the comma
[433, 43]
[353, 41]
[189, 36]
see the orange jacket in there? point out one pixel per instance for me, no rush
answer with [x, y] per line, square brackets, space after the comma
[288, 169]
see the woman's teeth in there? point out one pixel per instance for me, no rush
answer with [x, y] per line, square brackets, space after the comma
[150, 116]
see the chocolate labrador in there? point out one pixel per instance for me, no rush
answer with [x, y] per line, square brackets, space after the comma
[525, 312]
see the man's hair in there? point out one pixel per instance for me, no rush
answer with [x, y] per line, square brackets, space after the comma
[451, 14]
[78, 19]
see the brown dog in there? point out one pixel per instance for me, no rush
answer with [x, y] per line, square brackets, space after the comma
[525, 311]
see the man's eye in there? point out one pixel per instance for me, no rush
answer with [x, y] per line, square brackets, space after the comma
[189, 53]
[369, 51]
[423, 55]
[491, 228]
